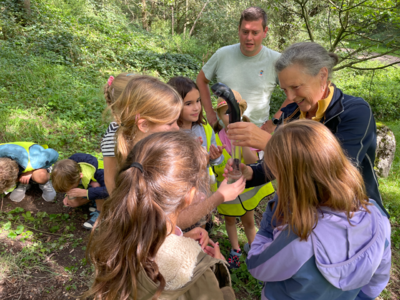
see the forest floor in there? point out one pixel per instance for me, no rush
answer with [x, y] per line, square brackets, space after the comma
[48, 262]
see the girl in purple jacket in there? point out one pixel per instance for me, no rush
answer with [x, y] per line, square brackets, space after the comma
[323, 239]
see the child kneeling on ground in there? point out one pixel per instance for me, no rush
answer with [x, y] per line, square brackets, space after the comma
[81, 177]
[23, 164]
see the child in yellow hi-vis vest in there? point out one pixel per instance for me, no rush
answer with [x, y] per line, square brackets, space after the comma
[243, 206]
[23, 164]
[192, 121]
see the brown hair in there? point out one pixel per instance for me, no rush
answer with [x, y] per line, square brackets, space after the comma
[8, 174]
[133, 223]
[312, 171]
[144, 97]
[254, 13]
[183, 86]
[114, 90]
[65, 174]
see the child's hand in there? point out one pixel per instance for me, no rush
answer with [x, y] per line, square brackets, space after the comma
[198, 234]
[247, 172]
[216, 152]
[230, 192]
[200, 139]
[94, 184]
[24, 178]
[77, 193]
[214, 250]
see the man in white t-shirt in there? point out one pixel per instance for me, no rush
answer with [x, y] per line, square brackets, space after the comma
[247, 67]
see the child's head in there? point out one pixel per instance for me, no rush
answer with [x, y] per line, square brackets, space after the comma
[146, 105]
[192, 111]
[114, 87]
[142, 209]
[66, 175]
[312, 171]
[222, 107]
[8, 174]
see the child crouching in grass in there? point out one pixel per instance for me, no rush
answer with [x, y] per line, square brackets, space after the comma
[23, 164]
[81, 177]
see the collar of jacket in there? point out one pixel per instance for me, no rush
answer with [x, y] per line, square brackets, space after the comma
[334, 109]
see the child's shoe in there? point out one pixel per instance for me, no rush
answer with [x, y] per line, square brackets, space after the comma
[233, 259]
[89, 223]
[18, 194]
[49, 194]
[246, 248]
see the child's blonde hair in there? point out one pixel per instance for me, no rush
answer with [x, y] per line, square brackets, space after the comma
[8, 174]
[160, 173]
[115, 86]
[65, 174]
[312, 171]
[144, 97]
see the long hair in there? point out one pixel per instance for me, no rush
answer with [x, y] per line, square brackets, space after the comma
[144, 97]
[133, 223]
[183, 85]
[312, 171]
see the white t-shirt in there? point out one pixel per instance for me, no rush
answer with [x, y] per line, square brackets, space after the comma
[253, 77]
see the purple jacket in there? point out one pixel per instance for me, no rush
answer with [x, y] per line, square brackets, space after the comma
[338, 261]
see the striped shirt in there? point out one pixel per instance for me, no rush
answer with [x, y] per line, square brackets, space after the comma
[109, 140]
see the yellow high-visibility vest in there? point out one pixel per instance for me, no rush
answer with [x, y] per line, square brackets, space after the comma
[213, 183]
[246, 201]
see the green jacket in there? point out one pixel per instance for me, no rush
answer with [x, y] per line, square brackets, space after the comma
[190, 274]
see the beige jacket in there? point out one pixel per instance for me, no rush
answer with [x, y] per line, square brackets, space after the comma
[189, 273]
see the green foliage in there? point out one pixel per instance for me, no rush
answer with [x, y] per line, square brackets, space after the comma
[380, 88]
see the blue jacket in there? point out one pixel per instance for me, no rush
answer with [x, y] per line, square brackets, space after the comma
[97, 192]
[337, 261]
[351, 120]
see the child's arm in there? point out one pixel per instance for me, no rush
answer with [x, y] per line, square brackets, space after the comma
[249, 156]
[110, 171]
[77, 192]
[195, 211]
[25, 177]
[97, 193]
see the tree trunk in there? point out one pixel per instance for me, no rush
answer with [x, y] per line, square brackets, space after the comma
[198, 17]
[144, 16]
[186, 18]
[172, 20]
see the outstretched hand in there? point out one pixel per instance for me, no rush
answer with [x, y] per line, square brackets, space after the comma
[230, 191]
[216, 152]
[198, 234]
[247, 172]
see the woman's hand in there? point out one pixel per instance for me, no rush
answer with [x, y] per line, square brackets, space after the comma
[247, 172]
[77, 193]
[230, 192]
[247, 134]
[216, 152]
[214, 250]
[198, 234]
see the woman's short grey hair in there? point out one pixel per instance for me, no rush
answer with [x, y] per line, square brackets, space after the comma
[311, 56]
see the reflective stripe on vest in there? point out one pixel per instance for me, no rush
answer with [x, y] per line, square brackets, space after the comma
[213, 183]
[249, 199]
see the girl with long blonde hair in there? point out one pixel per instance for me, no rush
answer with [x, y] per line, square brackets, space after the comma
[323, 239]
